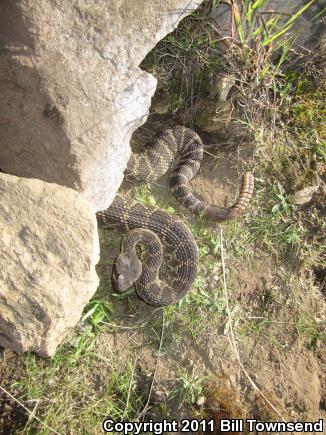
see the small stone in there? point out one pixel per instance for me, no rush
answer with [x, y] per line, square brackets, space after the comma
[160, 104]
[232, 380]
[302, 196]
[201, 400]
[221, 87]
[212, 115]
[160, 394]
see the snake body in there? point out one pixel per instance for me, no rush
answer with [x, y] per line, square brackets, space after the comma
[180, 250]
[152, 227]
[157, 159]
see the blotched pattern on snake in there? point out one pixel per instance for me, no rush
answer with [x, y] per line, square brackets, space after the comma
[157, 231]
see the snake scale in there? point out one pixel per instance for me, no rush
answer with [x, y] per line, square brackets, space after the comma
[155, 229]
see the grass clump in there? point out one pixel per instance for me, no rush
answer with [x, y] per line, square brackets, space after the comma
[310, 329]
[282, 114]
[183, 60]
[189, 387]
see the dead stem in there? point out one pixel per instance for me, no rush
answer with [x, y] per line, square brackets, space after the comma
[232, 338]
[31, 413]
[143, 412]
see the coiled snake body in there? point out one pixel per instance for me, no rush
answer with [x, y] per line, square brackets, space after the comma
[152, 227]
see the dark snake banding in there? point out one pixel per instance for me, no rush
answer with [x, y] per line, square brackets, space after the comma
[166, 234]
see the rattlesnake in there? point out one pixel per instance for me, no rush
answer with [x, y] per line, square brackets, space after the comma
[152, 227]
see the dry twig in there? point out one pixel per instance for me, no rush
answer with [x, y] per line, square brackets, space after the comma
[129, 389]
[231, 335]
[143, 412]
[31, 413]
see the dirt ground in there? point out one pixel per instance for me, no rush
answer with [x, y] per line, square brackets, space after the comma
[289, 374]
[11, 369]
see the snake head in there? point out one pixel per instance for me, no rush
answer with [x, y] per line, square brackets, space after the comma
[128, 269]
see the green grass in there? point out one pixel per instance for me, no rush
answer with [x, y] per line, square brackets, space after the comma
[183, 60]
[189, 387]
[310, 329]
[87, 380]
[67, 396]
[251, 25]
[275, 227]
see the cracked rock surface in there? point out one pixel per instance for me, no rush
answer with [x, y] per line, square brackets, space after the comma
[71, 90]
[48, 252]
[72, 94]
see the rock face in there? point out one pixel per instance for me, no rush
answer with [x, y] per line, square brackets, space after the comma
[71, 89]
[71, 96]
[48, 252]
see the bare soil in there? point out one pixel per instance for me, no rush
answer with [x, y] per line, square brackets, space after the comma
[12, 416]
[290, 375]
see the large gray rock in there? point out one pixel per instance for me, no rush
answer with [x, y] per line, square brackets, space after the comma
[71, 90]
[48, 252]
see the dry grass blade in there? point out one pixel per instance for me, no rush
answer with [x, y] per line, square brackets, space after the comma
[142, 415]
[31, 413]
[129, 389]
[232, 339]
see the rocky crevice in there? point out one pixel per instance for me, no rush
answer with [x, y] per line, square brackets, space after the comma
[72, 94]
